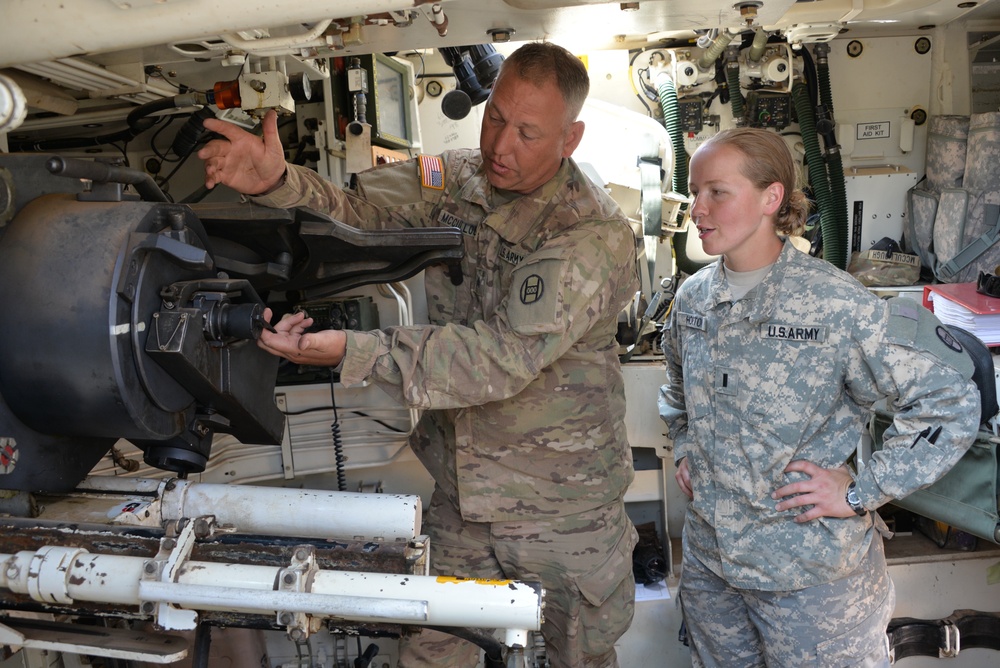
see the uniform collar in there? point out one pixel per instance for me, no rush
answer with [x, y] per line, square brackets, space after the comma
[764, 297]
[513, 216]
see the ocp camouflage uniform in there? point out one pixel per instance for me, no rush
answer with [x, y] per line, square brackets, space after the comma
[524, 433]
[790, 372]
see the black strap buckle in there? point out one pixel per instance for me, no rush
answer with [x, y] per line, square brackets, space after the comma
[988, 284]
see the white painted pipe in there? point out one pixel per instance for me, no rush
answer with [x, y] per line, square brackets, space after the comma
[360, 596]
[266, 44]
[302, 513]
[258, 601]
[13, 105]
[451, 601]
[49, 29]
[120, 483]
[95, 578]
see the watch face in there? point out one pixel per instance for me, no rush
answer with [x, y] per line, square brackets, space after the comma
[853, 501]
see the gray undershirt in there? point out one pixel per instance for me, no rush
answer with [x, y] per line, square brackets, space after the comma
[742, 282]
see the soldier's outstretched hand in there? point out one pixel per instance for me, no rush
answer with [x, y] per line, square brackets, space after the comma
[243, 161]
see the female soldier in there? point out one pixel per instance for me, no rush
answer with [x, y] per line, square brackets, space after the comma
[774, 359]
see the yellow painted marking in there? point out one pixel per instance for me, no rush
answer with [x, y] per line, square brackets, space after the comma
[500, 583]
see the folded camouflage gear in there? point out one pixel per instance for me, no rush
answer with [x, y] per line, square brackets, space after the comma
[884, 264]
[953, 214]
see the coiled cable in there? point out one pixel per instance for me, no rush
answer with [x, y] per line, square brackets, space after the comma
[338, 444]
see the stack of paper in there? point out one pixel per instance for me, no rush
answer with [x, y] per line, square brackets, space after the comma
[959, 304]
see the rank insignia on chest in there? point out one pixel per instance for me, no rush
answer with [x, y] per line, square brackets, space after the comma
[808, 333]
[692, 320]
[431, 172]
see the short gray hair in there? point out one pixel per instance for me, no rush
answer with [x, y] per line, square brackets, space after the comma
[541, 62]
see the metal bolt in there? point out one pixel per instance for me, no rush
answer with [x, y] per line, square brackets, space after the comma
[289, 578]
[285, 618]
[296, 634]
[499, 35]
[169, 543]
[301, 554]
[150, 567]
[148, 607]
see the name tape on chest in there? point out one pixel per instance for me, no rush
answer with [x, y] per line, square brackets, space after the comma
[692, 320]
[451, 220]
[809, 333]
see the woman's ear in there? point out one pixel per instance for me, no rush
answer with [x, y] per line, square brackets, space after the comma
[773, 196]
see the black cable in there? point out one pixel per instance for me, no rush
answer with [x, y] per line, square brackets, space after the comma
[123, 149]
[202, 646]
[152, 142]
[365, 658]
[164, 180]
[316, 409]
[338, 445]
[137, 119]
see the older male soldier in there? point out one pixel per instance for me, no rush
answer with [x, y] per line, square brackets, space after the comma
[523, 430]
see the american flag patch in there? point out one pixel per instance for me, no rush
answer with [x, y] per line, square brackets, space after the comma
[431, 172]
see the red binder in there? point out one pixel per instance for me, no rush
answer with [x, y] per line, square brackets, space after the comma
[964, 294]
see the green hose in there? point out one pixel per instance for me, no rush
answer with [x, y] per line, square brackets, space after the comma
[835, 166]
[668, 104]
[735, 94]
[834, 244]
[671, 120]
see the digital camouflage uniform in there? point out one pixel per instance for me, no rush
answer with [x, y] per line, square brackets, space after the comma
[518, 371]
[790, 372]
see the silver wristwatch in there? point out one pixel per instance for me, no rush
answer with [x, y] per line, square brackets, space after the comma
[853, 501]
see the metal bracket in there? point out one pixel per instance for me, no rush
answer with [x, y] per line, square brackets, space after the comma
[943, 638]
[417, 555]
[165, 567]
[287, 458]
[295, 578]
[48, 573]
[951, 641]
[108, 642]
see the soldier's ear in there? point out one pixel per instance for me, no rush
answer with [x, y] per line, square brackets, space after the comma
[573, 137]
[773, 196]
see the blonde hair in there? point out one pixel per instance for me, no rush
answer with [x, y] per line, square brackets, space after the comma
[767, 160]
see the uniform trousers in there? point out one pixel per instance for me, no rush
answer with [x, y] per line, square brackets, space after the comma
[839, 624]
[583, 561]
